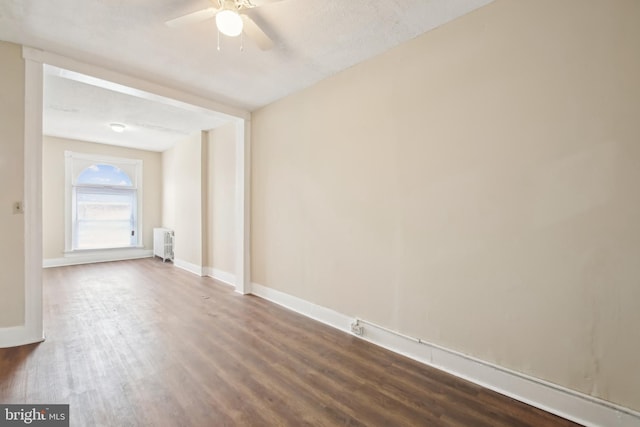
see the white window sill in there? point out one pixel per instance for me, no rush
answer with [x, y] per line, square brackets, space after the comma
[85, 252]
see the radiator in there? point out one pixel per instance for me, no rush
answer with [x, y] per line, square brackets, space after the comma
[163, 243]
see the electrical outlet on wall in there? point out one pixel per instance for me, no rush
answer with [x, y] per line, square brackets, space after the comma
[18, 208]
[357, 328]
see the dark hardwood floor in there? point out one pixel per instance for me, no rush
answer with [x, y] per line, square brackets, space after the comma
[142, 343]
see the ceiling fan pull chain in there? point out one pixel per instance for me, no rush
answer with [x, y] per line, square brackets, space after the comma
[218, 39]
[242, 41]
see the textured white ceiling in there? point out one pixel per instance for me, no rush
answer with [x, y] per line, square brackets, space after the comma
[313, 39]
[74, 109]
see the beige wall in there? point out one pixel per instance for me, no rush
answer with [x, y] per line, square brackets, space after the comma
[198, 198]
[221, 199]
[53, 183]
[476, 187]
[183, 196]
[12, 277]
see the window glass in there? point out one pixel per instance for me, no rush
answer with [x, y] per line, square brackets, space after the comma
[104, 196]
[102, 174]
[105, 218]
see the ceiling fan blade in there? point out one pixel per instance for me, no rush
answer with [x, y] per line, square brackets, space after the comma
[255, 33]
[193, 18]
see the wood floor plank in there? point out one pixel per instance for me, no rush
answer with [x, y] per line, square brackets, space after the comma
[142, 343]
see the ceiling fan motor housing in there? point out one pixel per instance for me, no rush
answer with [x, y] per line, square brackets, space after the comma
[235, 4]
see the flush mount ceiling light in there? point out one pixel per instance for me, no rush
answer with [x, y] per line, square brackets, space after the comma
[118, 127]
[229, 23]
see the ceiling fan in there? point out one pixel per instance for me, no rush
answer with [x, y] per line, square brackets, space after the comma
[231, 19]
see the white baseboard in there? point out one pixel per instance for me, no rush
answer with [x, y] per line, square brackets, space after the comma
[97, 256]
[221, 276]
[19, 335]
[569, 404]
[306, 308]
[192, 268]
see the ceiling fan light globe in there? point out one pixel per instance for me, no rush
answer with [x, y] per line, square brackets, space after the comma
[229, 23]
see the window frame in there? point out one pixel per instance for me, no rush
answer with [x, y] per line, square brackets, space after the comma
[72, 170]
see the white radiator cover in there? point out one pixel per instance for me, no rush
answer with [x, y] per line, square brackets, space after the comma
[163, 243]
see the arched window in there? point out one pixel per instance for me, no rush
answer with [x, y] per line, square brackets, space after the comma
[104, 202]
[102, 174]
